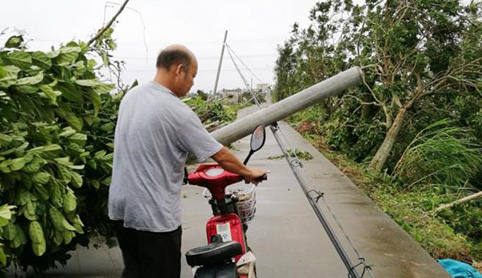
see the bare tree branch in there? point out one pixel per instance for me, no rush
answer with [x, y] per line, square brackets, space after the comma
[460, 201]
[108, 25]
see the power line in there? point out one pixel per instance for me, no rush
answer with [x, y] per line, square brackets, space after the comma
[201, 70]
[267, 55]
[231, 50]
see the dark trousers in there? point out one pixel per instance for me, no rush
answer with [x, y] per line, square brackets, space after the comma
[148, 254]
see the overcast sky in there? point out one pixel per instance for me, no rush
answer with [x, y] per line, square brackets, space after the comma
[255, 28]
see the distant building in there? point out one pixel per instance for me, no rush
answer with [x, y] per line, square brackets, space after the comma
[231, 96]
[262, 86]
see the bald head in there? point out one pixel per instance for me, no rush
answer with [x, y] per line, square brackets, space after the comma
[176, 69]
[174, 55]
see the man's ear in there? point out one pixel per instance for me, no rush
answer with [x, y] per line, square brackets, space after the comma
[179, 69]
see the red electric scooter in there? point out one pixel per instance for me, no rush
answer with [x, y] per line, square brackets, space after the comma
[227, 254]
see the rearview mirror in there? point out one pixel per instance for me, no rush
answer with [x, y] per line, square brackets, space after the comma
[257, 138]
[257, 141]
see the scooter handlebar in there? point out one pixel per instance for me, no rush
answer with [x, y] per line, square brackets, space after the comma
[262, 178]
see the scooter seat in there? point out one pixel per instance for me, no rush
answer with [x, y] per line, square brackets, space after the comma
[213, 253]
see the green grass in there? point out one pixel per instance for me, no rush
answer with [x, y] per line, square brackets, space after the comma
[302, 155]
[411, 210]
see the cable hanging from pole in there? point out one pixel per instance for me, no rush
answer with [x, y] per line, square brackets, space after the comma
[241, 61]
[297, 167]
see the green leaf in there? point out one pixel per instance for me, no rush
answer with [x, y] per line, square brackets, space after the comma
[4, 166]
[30, 209]
[68, 55]
[67, 225]
[5, 214]
[52, 148]
[35, 232]
[70, 49]
[66, 132]
[65, 161]
[3, 222]
[78, 225]
[49, 92]
[17, 163]
[4, 138]
[57, 219]
[108, 127]
[68, 236]
[107, 181]
[41, 178]
[43, 193]
[108, 157]
[95, 184]
[100, 154]
[105, 59]
[69, 91]
[65, 175]
[96, 101]
[104, 88]
[26, 89]
[31, 80]
[11, 76]
[39, 248]
[20, 59]
[88, 82]
[70, 202]
[74, 121]
[99, 87]
[23, 196]
[58, 238]
[92, 164]
[20, 239]
[14, 42]
[10, 231]
[3, 257]
[41, 60]
[34, 166]
[76, 179]
[53, 54]
[91, 63]
[76, 167]
[22, 147]
[78, 138]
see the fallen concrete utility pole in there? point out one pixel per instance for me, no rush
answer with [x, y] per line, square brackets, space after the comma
[289, 106]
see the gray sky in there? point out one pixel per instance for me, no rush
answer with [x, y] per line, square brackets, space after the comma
[255, 28]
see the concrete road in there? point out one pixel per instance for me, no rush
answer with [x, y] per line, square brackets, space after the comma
[286, 236]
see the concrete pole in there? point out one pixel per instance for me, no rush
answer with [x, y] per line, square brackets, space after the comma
[288, 106]
[220, 63]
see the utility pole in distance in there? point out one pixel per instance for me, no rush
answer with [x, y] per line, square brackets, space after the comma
[220, 63]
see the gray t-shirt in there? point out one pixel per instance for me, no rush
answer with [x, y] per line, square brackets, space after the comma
[155, 132]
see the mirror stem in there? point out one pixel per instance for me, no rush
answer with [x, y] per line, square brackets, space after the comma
[247, 158]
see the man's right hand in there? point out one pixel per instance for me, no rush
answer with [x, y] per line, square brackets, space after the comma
[254, 174]
[231, 163]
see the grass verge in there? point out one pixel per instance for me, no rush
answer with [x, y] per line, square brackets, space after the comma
[410, 209]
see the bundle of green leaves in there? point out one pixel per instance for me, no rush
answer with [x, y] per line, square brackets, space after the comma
[210, 111]
[56, 140]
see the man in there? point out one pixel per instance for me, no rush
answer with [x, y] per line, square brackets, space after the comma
[155, 132]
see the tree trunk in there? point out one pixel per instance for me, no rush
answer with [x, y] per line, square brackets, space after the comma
[368, 110]
[325, 106]
[382, 154]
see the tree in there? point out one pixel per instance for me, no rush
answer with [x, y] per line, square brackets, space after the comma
[56, 139]
[422, 49]
[414, 54]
